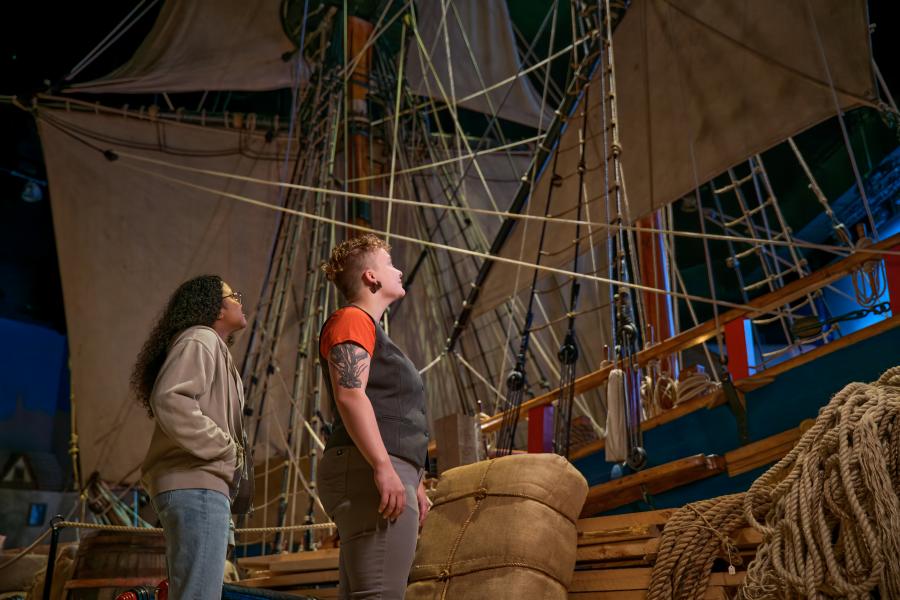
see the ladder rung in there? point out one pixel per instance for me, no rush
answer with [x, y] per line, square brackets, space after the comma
[737, 182]
[773, 277]
[749, 213]
[748, 252]
[786, 309]
[759, 284]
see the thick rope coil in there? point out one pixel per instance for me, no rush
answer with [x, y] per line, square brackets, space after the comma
[692, 540]
[829, 510]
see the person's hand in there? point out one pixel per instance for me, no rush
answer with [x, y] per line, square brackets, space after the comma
[393, 494]
[424, 503]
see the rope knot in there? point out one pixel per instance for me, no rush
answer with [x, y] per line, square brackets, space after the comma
[481, 493]
[444, 575]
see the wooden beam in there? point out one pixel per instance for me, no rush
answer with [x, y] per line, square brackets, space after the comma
[654, 480]
[711, 593]
[308, 561]
[614, 580]
[765, 451]
[329, 576]
[320, 593]
[616, 523]
[111, 582]
[646, 550]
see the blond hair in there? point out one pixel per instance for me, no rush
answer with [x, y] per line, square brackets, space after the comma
[348, 261]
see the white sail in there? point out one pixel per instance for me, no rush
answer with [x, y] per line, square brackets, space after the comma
[208, 45]
[700, 87]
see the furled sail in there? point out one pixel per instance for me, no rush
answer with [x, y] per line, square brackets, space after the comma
[482, 54]
[208, 45]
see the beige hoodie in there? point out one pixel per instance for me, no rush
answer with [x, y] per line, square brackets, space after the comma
[197, 402]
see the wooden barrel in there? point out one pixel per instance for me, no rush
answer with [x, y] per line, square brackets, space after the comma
[114, 561]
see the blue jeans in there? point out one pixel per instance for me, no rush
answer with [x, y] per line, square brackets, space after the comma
[196, 527]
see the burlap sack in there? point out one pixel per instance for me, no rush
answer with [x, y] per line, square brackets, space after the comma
[503, 528]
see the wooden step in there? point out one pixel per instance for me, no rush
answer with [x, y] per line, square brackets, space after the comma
[271, 580]
[654, 480]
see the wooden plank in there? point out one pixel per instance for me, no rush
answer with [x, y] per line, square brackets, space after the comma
[330, 576]
[712, 593]
[318, 560]
[630, 488]
[456, 434]
[611, 580]
[787, 437]
[769, 375]
[616, 580]
[618, 522]
[617, 595]
[646, 549]
[263, 562]
[726, 580]
[765, 451]
[321, 593]
[110, 582]
[624, 534]
[617, 551]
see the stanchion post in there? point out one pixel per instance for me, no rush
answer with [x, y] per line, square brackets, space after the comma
[51, 556]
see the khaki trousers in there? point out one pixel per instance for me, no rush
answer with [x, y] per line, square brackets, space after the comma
[376, 555]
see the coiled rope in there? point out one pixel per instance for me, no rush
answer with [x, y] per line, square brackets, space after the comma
[829, 512]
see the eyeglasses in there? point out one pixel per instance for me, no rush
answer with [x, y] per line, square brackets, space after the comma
[237, 296]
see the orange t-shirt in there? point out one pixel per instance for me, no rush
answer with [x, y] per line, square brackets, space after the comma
[349, 324]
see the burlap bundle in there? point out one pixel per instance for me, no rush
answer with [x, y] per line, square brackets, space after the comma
[503, 528]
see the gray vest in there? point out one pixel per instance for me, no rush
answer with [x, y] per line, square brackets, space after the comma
[398, 397]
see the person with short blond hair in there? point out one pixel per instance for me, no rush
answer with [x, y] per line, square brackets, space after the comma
[370, 477]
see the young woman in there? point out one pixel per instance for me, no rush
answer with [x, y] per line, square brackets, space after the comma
[370, 477]
[185, 378]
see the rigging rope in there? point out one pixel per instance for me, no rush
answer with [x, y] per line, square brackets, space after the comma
[568, 351]
[627, 329]
[113, 155]
[516, 380]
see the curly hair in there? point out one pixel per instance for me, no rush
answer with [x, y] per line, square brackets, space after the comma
[348, 260]
[195, 302]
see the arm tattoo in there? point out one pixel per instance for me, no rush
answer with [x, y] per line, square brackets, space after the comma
[349, 361]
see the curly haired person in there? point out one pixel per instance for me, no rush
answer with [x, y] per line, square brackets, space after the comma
[187, 381]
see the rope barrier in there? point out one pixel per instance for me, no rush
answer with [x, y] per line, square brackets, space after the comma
[155, 530]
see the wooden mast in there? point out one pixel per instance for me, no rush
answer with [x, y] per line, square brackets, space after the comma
[359, 31]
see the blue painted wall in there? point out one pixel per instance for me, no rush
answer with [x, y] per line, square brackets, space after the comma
[34, 388]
